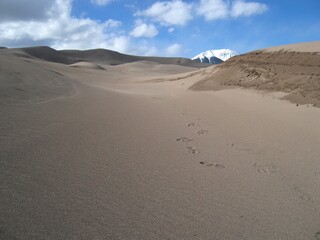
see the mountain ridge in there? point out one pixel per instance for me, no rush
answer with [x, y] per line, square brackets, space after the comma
[215, 56]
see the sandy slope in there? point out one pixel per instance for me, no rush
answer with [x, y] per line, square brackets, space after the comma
[299, 47]
[128, 153]
[23, 80]
[88, 65]
[294, 69]
[100, 56]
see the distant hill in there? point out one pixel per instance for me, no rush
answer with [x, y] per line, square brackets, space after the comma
[102, 56]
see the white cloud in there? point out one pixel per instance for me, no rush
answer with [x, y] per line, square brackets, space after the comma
[101, 2]
[178, 12]
[174, 50]
[142, 29]
[52, 24]
[222, 9]
[144, 49]
[62, 31]
[241, 8]
[213, 9]
[175, 12]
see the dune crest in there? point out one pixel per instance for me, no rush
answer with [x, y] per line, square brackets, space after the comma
[88, 65]
[100, 56]
[298, 47]
[296, 73]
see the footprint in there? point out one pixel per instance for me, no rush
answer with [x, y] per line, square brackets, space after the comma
[240, 149]
[202, 132]
[217, 165]
[191, 124]
[304, 196]
[184, 139]
[265, 169]
[192, 150]
[317, 236]
[185, 114]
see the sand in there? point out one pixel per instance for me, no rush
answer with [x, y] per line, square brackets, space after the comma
[129, 152]
[287, 69]
[298, 47]
[88, 65]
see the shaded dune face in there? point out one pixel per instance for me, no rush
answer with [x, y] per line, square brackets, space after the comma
[40, 74]
[293, 69]
[30, 74]
[102, 56]
[294, 72]
[25, 81]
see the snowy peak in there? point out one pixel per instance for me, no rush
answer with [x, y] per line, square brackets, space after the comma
[213, 56]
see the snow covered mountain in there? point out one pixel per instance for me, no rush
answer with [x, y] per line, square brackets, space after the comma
[215, 56]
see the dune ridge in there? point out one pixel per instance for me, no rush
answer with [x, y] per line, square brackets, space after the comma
[282, 69]
[103, 56]
[25, 81]
[297, 47]
[88, 65]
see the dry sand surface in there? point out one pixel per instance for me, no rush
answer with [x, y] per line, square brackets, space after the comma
[95, 151]
[287, 68]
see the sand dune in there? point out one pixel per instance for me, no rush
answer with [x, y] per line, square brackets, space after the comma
[23, 81]
[154, 68]
[98, 56]
[129, 152]
[299, 47]
[293, 69]
[47, 54]
[87, 65]
[115, 58]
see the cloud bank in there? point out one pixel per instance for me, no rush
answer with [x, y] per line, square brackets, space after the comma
[58, 29]
[50, 22]
[177, 12]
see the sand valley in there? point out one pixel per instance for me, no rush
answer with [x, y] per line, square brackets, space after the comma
[100, 145]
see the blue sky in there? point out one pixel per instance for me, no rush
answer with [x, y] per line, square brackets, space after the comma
[164, 28]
